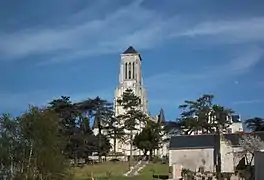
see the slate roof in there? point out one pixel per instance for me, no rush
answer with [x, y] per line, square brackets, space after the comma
[130, 50]
[205, 141]
[191, 141]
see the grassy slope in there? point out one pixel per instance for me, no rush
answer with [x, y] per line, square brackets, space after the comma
[115, 171]
[155, 168]
[101, 170]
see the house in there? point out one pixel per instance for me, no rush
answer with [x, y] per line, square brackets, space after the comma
[199, 151]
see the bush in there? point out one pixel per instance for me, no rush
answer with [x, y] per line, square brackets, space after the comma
[156, 159]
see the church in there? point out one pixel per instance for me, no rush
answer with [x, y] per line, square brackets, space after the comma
[130, 77]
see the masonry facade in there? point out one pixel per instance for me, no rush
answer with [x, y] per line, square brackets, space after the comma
[196, 151]
[130, 77]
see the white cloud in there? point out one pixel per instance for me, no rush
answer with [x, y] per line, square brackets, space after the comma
[229, 31]
[129, 25]
[132, 24]
[246, 60]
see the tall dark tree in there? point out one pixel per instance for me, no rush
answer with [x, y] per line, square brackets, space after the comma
[203, 115]
[74, 122]
[132, 118]
[74, 126]
[115, 130]
[255, 124]
[102, 112]
[150, 138]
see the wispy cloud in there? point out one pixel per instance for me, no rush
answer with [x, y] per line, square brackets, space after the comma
[245, 59]
[131, 24]
[229, 31]
[162, 87]
[246, 102]
[237, 64]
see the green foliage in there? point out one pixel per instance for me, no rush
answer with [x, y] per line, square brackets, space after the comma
[188, 174]
[74, 124]
[150, 138]
[202, 115]
[132, 117]
[255, 124]
[33, 146]
[104, 145]
[115, 131]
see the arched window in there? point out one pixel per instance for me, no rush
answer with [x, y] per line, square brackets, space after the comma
[125, 70]
[129, 71]
[133, 70]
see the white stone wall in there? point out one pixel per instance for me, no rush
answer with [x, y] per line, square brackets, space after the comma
[192, 159]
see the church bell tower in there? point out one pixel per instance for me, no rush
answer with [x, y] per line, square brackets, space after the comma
[130, 77]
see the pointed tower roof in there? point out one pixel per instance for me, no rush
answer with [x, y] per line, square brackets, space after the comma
[161, 117]
[130, 50]
[96, 123]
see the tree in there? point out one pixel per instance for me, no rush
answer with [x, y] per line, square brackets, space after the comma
[10, 146]
[150, 138]
[202, 115]
[249, 144]
[255, 124]
[74, 123]
[31, 146]
[43, 145]
[102, 111]
[104, 145]
[115, 131]
[133, 116]
[67, 114]
[205, 116]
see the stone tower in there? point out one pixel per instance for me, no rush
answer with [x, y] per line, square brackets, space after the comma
[130, 77]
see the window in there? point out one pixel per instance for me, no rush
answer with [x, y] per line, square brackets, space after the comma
[125, 70]
[133, 70]
[129, 71]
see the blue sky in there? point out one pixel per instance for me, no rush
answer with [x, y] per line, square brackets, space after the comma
[189, 47]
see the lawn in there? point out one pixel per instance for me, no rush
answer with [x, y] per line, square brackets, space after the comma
[115, 171]
[101, 171]
[155, 168]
